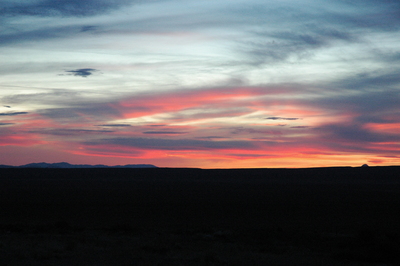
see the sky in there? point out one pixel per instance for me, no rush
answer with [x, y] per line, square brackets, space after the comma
[209, 84]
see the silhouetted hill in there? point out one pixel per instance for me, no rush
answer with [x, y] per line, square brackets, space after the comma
[68, 165]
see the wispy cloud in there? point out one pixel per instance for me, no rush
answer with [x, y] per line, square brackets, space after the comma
[300, 127]
[13, 113]
[273, 46]
[164, 132]
[281, 118]
[114, 125]
[73, 8]
[37, 34]
[70, 132]
[172, 144]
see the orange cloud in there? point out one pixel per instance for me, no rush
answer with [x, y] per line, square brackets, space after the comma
[390, 128]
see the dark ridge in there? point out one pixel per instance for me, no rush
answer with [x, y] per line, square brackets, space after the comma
[68, 165]
[185, 216]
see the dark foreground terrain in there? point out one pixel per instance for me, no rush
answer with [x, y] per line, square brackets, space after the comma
[325, 216]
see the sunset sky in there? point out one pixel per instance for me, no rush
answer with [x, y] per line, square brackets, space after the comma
[210, 84]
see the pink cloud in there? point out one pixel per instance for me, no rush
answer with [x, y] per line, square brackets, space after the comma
[217, 98]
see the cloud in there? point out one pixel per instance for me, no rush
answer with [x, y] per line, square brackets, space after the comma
[173, 144]
[114, 125]
[65, 8]
[45, 32]
[177, 105]
[244, 130]
[6, 124]
[88, 28]
[212, 137]
[281, 118]
[69, 131]
[302, 41]
[193, 108]
[367, 105]
[82, 72]
[300, 127]
[164, 132]
[13, 113]
[57, 97]
[301, 32]
[158, 125]
[356, 133]
[382, 15]
[370, 80]
[201, 113]
[82, 112]
[199, 103]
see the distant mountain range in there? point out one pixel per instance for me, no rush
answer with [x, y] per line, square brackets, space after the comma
[67, 165]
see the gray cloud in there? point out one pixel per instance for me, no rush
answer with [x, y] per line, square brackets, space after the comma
[164, 132]
[300, 127]
[58, 97]
[354, 133]
[377, 15]
[276, 46]
[369, 97]
[367, 80]
[88, 28]
[313, 29]
[212, 137]
[240, 155]
[32, 35]
[354, 138]
[364, 103]
[114, 125]
[243, 130]
[158, 125]
[173, 144]
[68, 8]
[281, 118]
[69, 132]
[312, 36]
[12, 33]
[201, 114]
[94, 110]
[82, 72]
[70, 105]
[6, 124]
[13, 113]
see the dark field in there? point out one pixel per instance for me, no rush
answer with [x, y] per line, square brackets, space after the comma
[324, 216]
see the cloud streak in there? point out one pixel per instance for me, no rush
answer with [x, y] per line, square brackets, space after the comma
[176, 144]
[13, 113]
[73, 8]
[281, 118]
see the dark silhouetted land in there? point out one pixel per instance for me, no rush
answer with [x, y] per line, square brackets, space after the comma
[161, 216]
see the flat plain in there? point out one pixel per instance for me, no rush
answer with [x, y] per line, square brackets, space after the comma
[169, 216]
